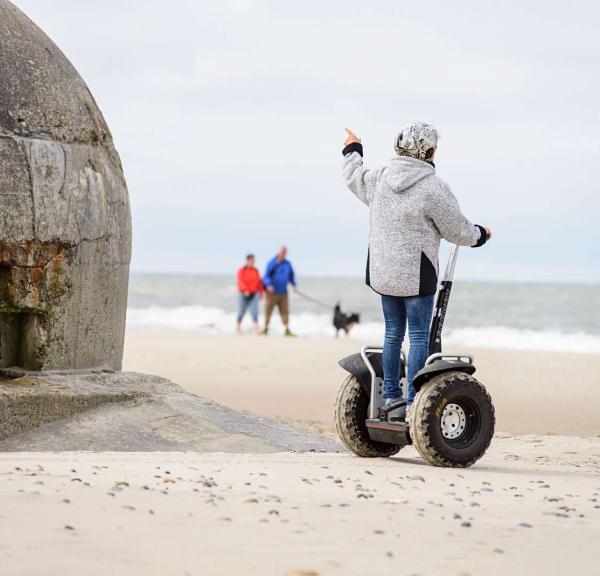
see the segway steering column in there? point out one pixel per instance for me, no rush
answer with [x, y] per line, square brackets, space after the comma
[441, 305]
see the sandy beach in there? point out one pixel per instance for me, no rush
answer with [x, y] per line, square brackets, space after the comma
[531, 505]
[198, 162]
[518, 511]
[297, 379]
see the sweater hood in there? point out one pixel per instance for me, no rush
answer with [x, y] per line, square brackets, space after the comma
[404, 171]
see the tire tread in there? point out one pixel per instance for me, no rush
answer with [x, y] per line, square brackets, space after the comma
[425, 403]
[347, 420]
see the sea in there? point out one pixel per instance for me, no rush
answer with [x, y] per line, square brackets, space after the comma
[522, 316]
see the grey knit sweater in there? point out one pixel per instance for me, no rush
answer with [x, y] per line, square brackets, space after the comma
[410, 209]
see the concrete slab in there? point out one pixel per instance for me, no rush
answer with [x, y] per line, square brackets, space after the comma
[133, 412]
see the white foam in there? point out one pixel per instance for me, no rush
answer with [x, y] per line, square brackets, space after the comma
[523, 339]
[185, 318]
[216, 320]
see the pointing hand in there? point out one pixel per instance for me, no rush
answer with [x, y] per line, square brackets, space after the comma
[352, 137]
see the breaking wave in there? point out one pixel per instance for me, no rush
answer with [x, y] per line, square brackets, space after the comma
[206, 319]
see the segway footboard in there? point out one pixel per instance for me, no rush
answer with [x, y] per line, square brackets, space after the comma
[389, 432]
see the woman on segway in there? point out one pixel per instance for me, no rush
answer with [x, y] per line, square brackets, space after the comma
[410, 210]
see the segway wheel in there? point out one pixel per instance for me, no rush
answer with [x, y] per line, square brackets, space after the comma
[452, 420]
[351, 413]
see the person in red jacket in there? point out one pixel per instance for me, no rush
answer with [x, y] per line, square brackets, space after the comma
[250, 288]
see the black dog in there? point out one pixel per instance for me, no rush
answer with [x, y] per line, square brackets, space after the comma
[343, 321]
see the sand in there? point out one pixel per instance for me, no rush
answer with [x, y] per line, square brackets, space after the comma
[297, 379]
[531, 506]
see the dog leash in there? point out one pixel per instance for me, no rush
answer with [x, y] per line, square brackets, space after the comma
[314, 300]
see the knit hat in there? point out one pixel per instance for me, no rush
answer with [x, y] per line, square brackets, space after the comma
[415, 139]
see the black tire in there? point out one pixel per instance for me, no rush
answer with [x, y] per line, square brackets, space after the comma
[351, 413]
[434, 408]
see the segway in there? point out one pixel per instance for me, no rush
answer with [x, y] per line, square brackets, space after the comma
[452, 418]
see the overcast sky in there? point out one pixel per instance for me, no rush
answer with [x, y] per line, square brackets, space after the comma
[229, 119]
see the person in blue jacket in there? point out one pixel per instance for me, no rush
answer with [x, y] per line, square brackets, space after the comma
[278, 275]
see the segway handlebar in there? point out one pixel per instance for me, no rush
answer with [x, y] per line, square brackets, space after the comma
[451, 264]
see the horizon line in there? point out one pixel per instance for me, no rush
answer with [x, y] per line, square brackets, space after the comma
[360, 279]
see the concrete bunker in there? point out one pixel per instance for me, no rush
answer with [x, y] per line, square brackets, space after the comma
[65, 225]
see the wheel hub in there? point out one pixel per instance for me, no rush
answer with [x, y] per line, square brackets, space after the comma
[453, 421]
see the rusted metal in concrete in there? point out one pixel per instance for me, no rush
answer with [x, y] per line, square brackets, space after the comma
[65, 225]
[30, 275]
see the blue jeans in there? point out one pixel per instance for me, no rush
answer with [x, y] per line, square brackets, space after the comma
[248, 303]
[415, 310]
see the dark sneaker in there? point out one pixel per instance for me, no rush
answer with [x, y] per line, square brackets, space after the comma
[398, 415]
[393, 410]
[389, 401]
[288, 332]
